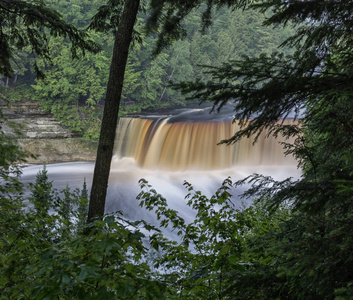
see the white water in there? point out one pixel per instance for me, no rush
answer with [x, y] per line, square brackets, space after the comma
[123, 185]
[168, 151]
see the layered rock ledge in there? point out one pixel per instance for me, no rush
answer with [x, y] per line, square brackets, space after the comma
[43, 136]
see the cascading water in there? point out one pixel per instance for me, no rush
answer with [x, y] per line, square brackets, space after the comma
[166, 151]
[158, 144]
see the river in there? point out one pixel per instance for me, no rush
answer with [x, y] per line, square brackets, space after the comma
[168, 150]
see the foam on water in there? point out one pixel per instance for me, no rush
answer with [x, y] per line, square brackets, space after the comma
[123, 184]
[167, 153]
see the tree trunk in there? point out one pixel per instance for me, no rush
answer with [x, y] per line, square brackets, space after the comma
[123, 38]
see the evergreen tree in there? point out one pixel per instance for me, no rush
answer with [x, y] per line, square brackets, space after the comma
[22, 25]
[82, 209]
[65, 213]
[73, 90]
[313, 248]
[43, 198]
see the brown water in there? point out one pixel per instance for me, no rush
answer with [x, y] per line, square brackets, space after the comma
[157, 144]
[166, 154]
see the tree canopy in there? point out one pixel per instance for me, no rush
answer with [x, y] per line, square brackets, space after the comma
[77, 99]
[28, 24]
[313, 85]
[273, 86]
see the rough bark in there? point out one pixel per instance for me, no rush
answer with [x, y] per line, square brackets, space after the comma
[123, 38]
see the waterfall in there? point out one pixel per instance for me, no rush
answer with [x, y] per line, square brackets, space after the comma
[166, 152]
[158, 144]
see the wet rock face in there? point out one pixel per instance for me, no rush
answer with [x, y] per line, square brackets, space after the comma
[43, 136]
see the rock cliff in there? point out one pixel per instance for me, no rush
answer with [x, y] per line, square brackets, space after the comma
[44, 136]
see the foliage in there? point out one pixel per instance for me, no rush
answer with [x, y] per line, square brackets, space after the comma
[22, 24]
[103, 265]
[219, 254]
[45, 256]
[74, 91]
[82, 208]
[295, 244]
[212, 257]
[313, 84]
[10, 184]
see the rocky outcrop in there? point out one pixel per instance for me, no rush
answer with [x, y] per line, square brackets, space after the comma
[57, 150]
[42, 135]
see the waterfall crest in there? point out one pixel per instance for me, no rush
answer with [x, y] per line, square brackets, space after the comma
[157, 144]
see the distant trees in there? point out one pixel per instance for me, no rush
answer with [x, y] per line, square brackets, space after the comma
[77, 98]
[73, 90]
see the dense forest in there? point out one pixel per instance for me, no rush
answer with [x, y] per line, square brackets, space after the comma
[74, 90]
[293, 242]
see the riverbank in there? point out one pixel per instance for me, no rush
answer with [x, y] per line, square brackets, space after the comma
[43, 136]
[40, 134]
